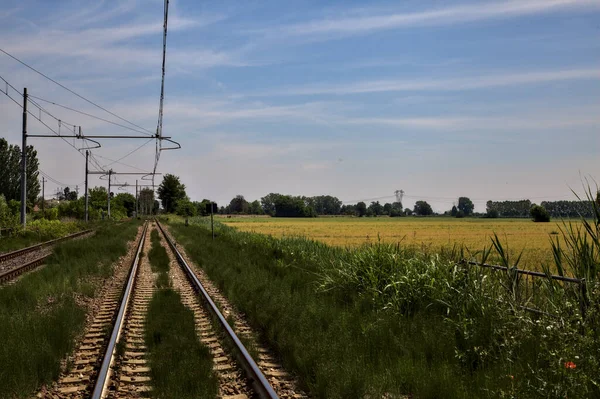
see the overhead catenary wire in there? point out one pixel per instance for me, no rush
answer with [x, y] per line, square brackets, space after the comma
[57, 182]
[76, 94]
[122, 163]
[130, 152]
[38, 117]
[162, 91]
[88, 114]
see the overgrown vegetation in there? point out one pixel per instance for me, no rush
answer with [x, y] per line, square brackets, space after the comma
[159, 259]
[181, 367]
[37, 231]
[42, 314]
[387, 319]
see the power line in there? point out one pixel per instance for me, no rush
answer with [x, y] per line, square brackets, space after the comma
[42, 109]
[8, 95]
[162, 90]
[38, 118]
[122, 163]
[368, 199]
[129, 153]
[53, 180]
[76, 94]
[89, 115]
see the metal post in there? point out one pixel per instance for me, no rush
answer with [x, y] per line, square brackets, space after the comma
[109, 173]
[24, 162]
[136, 199]
[212, 223]
[43, 197]
[87, 156]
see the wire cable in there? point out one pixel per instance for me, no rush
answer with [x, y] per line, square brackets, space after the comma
[76, 94]
[89, 115]
[131, 152]
[162, 91]
[122, 163]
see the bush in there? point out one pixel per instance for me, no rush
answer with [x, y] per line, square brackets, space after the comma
[539, 214]
[492, 214]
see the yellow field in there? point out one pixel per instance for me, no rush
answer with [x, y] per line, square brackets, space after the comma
[434, 233]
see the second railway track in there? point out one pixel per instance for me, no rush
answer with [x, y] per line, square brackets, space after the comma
[111, 361]
[15, 263]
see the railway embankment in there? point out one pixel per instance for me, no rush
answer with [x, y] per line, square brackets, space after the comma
[387, 321]
[42, 316]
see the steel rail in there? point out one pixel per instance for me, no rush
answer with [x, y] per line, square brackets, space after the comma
[17, 271]
[19, 252]
[259, 382]
[102, 379]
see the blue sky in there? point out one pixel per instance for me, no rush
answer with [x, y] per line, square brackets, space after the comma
[486, 99]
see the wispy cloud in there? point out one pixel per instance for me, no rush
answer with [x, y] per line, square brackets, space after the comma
[542, 119]
[128, 44]
[477, 11]
[453, 84]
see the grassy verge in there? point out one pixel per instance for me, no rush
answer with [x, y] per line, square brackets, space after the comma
[180, 366]
[38, 231]
[41, 315]
[384, 319]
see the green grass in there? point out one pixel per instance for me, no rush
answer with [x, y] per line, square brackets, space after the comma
[39, 317]
[38, 231]
[159, 259]
[180, 366]
[386, 319]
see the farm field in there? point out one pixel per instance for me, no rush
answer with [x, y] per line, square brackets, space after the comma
[431, 233]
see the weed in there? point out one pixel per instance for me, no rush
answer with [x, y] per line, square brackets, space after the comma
[37, 335]
[387, 319]
[180, 366]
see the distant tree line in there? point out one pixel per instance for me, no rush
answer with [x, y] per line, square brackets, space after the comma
[509, 209]
[568, 209]
[522, 209]
[281, 205]
[10, 173]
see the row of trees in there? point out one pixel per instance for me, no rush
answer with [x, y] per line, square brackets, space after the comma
[10, 172]
[509, 209]
[558, 209]
[280, 205]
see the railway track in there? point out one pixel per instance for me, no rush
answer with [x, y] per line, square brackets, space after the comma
[15, 263]
[285, 385]
[111, 361]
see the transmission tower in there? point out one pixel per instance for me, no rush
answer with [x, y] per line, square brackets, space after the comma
[399, 195]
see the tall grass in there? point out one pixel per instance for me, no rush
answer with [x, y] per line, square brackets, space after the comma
[388, 319]
[38, 231]
[42, 314]
[159, 261]
[180, 366]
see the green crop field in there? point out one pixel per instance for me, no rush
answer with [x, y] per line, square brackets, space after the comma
[433, 233]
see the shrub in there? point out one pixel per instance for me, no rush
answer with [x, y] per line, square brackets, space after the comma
[539, 214]
[492, 214]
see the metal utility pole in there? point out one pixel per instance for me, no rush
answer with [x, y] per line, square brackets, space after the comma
[24, 162]
[87, 156]
[136, 198]
[109, 174]
[43, 196]
[212, 222]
